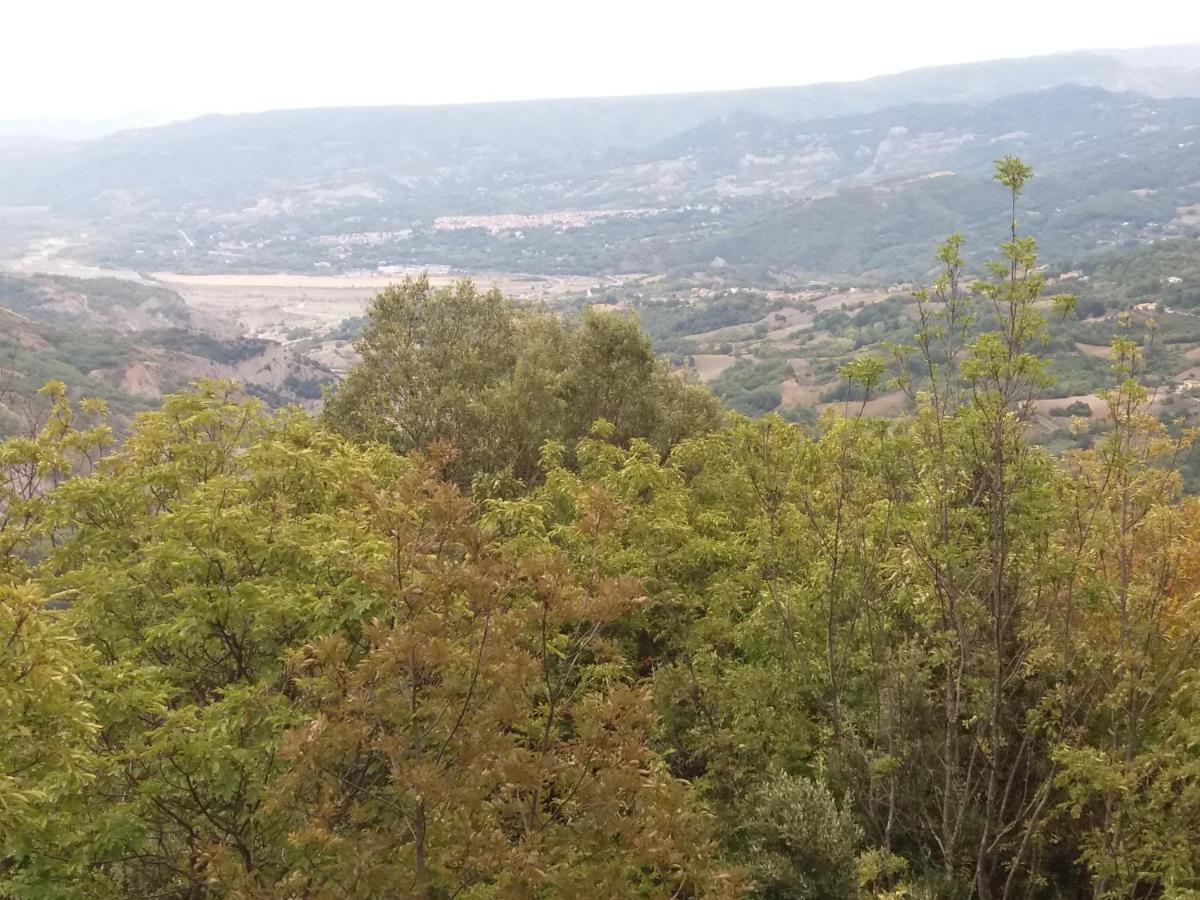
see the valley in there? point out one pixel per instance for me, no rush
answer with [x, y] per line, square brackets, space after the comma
[280, 307]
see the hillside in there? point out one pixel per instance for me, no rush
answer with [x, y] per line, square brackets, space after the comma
[111, 303]
[762, 179]
[130, 344]
[785, 348]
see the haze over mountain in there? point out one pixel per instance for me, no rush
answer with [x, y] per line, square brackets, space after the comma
[839, 179]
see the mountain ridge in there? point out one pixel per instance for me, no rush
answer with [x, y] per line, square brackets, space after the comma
[611, 185]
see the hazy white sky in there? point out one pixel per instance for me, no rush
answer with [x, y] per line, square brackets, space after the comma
[101, 59]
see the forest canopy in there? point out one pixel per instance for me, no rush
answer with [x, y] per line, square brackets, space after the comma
[523, 614]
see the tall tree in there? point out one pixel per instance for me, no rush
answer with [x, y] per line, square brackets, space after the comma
[497, 380]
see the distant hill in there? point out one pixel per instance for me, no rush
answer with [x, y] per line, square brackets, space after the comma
[831, 179]
[130, 344]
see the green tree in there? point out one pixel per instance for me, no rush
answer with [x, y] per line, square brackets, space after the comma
[46, 731]
[496, 380]
[211, 542]
[434, 367]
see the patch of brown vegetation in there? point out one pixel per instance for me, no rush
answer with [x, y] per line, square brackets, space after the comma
[1097, 350]
[792, 393]
[708, 366]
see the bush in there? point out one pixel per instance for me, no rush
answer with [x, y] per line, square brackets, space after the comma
[843, 391]
[304, 388]
[797, 841]
[1076, 408]
[497, 380]
[753, 387]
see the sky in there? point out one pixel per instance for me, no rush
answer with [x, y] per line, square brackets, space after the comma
[139, 61]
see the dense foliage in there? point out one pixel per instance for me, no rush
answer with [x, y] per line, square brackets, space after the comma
[497, 380]
[249, 656]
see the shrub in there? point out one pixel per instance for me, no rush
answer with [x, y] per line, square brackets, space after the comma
[798, 842]
[1076, 408]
